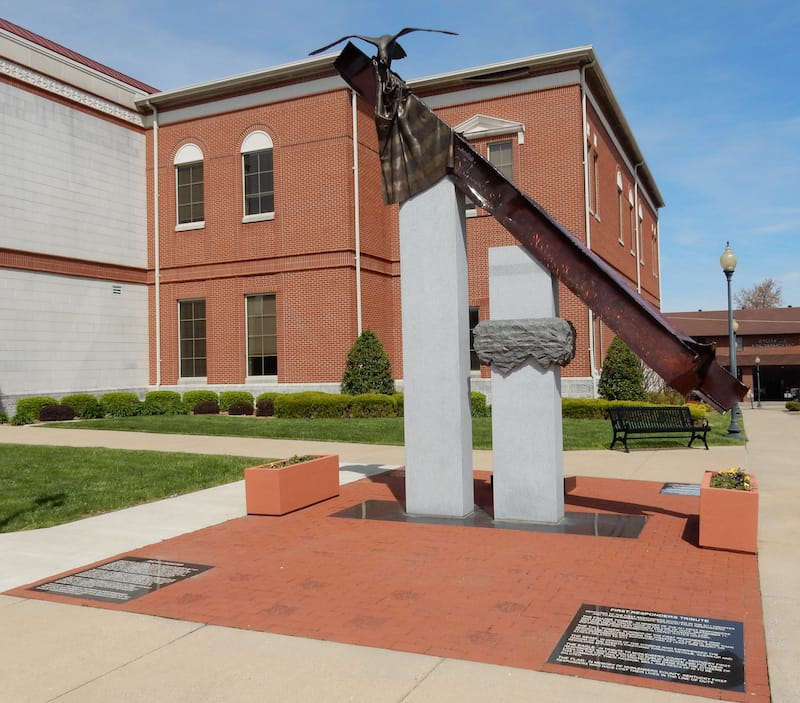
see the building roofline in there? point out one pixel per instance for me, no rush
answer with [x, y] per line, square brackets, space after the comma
[242, 82]
[501, 72]
[74, 56]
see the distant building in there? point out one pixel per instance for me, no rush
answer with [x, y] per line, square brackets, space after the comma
[767, 345]
[232, 234]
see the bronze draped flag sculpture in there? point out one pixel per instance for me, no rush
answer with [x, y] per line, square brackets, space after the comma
[417, 149]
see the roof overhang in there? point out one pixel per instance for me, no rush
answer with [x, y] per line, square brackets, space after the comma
[582, 59]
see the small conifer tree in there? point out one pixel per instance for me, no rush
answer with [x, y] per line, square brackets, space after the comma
[622, 377]
[367, 369]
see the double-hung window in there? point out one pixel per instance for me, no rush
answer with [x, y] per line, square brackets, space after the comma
[192, 337]
[189, 187]
[500, 156]
[258, 177]
[262, 336]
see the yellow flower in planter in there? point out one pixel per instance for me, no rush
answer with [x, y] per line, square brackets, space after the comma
[733, 478]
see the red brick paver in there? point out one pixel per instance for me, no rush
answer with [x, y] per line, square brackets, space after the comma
[489, 595]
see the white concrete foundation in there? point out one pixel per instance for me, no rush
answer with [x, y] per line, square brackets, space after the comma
[435, 308]
[526, 403]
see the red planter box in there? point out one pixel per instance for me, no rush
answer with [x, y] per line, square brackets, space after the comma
[277, 491]
[729, 518]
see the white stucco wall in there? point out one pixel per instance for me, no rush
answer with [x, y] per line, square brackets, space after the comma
[62, 334]
[71, 183]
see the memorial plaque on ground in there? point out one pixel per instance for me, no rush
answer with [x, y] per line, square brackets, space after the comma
[122, 580]
[681, 489]
[676, 648]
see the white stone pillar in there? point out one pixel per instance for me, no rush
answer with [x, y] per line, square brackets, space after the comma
[435, 313]
[527, 455]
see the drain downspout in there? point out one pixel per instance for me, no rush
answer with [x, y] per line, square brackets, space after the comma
[588, 216]
[156, 247]
[638, 231]
[357, 213]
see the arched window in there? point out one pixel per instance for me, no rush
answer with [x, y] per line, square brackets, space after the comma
[258, 177]
[189, 186]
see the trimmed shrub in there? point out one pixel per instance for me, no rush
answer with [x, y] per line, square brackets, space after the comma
[699, 411]
[373, 405]
[192, 398]
[85, 405]
[367, 369]
[163, 403]
[265, 404]
[793, 406]
[240, 407]
[227, 398]
[667, 397]
[311, 404]
[206, 407]
[399, 401]
[622, 377]
[120, 404]
[477, 405]
[56, 413]
[28, 409]
[585, 408]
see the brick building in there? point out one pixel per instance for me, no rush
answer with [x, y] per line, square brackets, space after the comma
[767, 346]
[241, 220]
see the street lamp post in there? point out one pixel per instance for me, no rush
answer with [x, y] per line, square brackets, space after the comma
[758, 381]
[728, 263]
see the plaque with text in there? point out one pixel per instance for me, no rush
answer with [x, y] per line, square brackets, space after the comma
[681, 489]
[122, 580]
[675, 648]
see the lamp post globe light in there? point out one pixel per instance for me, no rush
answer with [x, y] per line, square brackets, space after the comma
[728, 263]
[758, 381]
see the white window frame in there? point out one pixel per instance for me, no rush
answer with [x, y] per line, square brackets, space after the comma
[257, 141]
[188, 155]
[261, 377]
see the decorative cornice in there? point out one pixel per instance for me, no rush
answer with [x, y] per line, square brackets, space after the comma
[50, 85]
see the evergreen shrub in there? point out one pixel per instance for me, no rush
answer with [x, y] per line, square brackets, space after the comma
[793, 406]
[311, 404]
[373, 405]
[367, 369]
[56, 413]
[622, 377]
[28, 409]
[240, 407]
[120, 404]
[665, 397]
[192, 398]
[585, 408]
[265, 404]
[478, 406]
[227, 398]
[206, 407]
[85, 405]
[399, 403]
[698, 411]
[3, 417]
[163, 403]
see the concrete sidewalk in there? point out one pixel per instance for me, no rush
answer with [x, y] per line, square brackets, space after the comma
[99, 655]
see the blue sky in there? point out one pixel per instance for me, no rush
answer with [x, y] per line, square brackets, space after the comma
[708, 87]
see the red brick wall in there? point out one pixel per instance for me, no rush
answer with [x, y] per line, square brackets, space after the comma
[306, 255]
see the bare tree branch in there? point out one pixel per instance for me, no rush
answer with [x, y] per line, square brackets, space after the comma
[767, 294]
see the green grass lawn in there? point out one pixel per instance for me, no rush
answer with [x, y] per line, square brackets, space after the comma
[578, 434]
[44, 486]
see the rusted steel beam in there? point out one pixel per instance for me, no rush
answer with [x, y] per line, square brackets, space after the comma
[685, 364]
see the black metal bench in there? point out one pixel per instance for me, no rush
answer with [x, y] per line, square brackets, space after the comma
[656, 422]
